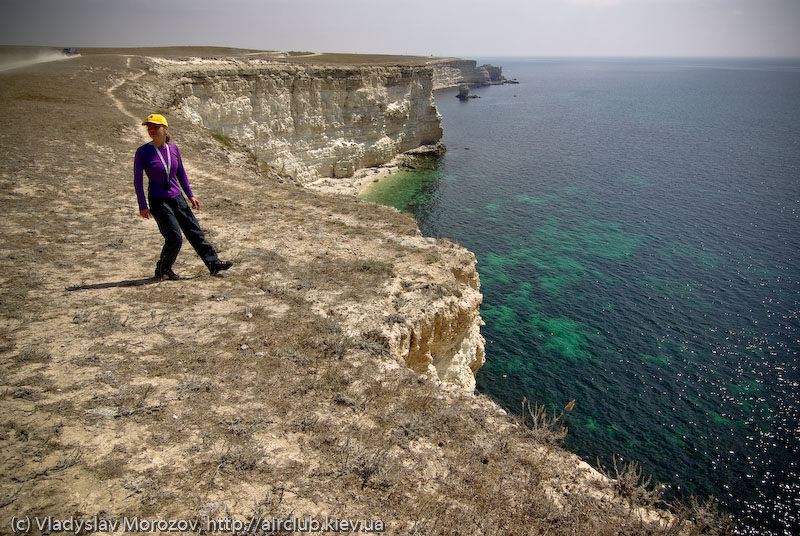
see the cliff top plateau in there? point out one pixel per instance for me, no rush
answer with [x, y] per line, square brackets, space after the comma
[284, 387]
[304, 57]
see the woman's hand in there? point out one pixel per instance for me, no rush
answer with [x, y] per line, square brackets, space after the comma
[195, 203]
[145, 213]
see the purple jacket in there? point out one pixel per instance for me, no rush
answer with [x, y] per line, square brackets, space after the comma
[147, 160]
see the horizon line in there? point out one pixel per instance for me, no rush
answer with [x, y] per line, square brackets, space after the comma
[461, 56]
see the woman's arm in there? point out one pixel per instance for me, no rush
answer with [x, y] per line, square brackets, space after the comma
[138, 182]
[181, 174]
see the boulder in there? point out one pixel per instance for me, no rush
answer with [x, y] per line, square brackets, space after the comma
[436, 149]
[464, 94]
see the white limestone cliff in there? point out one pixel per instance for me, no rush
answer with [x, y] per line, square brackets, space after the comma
[441, 339]
[451, 72]
[312, 121]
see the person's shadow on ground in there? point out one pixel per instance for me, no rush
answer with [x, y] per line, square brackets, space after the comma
[126, 283]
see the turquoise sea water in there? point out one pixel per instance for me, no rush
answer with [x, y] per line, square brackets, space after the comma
[637, 229]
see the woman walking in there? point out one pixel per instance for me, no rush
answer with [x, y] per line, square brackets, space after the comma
[162, 163]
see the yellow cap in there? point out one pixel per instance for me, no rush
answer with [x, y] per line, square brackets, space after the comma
[156, 119]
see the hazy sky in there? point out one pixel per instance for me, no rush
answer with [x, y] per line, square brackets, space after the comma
[466, 28]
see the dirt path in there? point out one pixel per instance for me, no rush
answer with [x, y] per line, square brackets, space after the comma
[111, 91]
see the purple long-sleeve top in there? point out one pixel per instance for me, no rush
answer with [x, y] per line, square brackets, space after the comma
[148, 161]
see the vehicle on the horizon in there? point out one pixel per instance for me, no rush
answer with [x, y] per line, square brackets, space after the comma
[70, 51]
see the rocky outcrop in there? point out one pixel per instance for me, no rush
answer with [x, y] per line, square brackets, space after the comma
[495, 73]
[464, 94]
[311, 121]
[442, 340]
[453, 72]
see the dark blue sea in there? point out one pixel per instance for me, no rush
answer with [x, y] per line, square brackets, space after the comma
[637, 229]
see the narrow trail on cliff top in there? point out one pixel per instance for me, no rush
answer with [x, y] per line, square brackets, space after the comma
[113, 88]
[118, 103]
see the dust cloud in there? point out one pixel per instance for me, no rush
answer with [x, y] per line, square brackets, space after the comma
[17, 57]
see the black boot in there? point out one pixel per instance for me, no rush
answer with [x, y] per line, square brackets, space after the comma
[169, 274]
[159, 271]
[218, 266]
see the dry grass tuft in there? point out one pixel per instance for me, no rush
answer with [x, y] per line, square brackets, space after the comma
[700, 518]
[630, 483]
[241, 458]
[33, 355]
[544, 428]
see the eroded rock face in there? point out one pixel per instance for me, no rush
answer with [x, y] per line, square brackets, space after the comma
[495, 73]
[446, 344]
[441, 338]
[312, 121]
[453, 72]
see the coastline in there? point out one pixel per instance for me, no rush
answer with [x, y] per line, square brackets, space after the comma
[201, 382]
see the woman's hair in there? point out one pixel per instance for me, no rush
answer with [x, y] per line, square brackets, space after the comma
[169, 138]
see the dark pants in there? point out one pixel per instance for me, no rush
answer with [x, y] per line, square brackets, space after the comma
[173, 215]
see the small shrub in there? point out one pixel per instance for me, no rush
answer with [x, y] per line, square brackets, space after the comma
[545, 429]
[367, 464]
[242, 458]
[631, 484]
[131, 400]
[33, 355]
[700, 518]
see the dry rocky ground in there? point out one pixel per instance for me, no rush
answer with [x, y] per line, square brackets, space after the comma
[269, 390]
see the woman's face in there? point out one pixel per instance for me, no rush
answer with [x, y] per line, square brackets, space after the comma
[158, 133]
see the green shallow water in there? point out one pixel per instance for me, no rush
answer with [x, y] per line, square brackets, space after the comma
[404, 189]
